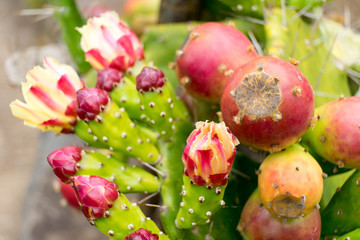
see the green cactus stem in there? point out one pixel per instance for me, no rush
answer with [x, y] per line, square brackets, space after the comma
[124, 218]
[129, 179]
[341, 215]
[171, 184]
[111, 125]
[198, 204]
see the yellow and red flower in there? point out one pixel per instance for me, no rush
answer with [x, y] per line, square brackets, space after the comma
[110, 43]
[209, 154]
[50, 97]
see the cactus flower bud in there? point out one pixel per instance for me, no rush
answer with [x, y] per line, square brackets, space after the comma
[109, 42]
[64, 160]
[91, 102]
[50, 97]
[150, 79]
[209, 154]
[142, 234]
[95, 195]
[108, 78]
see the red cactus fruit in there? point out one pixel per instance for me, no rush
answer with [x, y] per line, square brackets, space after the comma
[150, 79]
[95, 195]
[257, 223]
[90, 102]
[68, 192]
[336, 135]
[268, 104]
[142, 234]
[108, 78]
[64, 161]
[290, 182]
[209, 154]
[209, 55]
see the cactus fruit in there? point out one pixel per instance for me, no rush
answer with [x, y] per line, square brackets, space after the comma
[70, 161]
[336, 135]
[268, 104]
[108, 210]
[211, 53]
[208, 157]
[257, 223]
[290, 182]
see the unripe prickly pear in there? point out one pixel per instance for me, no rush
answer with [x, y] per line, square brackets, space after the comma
[208, 157]
[258, 224]
[268, 104]
[209, 56]
[336, 135]
[290, 182]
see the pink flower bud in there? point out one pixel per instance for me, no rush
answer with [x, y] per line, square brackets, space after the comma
[142, 234]
[150, 79]
[90, 102]
[50, 95]
[64, 160]
[108, 78]
[209, 154]
[109, 42]
[95, 195]
[68, 193]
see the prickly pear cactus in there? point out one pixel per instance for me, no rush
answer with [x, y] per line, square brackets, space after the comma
[163, 115]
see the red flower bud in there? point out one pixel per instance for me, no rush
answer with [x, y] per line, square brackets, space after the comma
[108, 78]
[142, 234]
[150, 79]
[90, 102]
[64, 160]
[209, 154]
[95, 195]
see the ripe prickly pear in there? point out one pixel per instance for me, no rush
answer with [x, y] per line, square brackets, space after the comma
[208, 157]
[336, 135]
[210, 54]
[257, 223]
[268, 104]
[290, 182]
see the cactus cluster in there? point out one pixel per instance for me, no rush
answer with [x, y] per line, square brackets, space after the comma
[172, 128]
